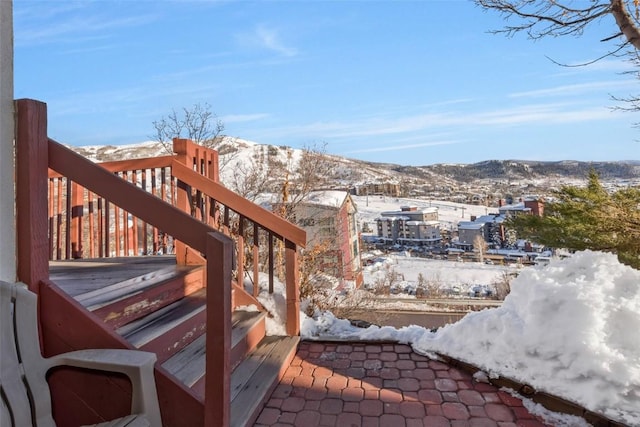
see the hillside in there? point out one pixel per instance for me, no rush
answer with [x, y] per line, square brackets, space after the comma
[492, 178]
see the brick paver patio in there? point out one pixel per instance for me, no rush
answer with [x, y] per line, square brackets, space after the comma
[358, 384]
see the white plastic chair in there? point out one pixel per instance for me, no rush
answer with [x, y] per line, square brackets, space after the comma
[25, 399]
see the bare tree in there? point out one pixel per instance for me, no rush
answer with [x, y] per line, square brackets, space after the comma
[553, 18]
[198, 123]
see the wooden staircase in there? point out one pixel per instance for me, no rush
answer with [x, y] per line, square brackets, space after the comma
[80, 223]
[164, 311]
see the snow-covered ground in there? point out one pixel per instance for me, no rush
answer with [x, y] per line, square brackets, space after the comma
[452, 277]
[449, 213]
[571, 329]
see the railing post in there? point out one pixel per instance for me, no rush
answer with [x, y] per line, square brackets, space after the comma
[217, 411]
[31, 192]
[183, 199]
[293, 291]
[77, 213]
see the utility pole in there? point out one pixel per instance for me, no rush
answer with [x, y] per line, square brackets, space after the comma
[7, 156]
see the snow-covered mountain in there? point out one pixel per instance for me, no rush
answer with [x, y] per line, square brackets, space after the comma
[438, 180]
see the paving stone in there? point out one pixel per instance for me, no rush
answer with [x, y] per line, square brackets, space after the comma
[371, 383]
[355, 372]
[341, 363]
[477, 411]
[269, 416]
[438, 366]
[392, 420]
[470, 397]
[315, 348]
[388, 357]
[508, 399]
[287, 417]
[491, 397]
[328, 420]
[499, 412]
[302, 381]
[293, 404]
[402, 349]
[354, 383]
[349, 419]
[391, 408]
[455, 411]
[390, 396]
[315, 394]
[372, 364]
[331, 406]
[406, 364]
[371, 407]
[337, 382]
[323, 372]
[443, 374]
[344, 349]
[370, 422]
[312, 405]
[390, 384]
[408, 384]
[445, 384]
[414, 422]
[482, 422]
[434, 410]
[389, 373]
[424, 374]
[351, 407]
[282, 391]
[410, 396]
[529, 423]
[412, 409]
[372, 394]
[307, 419]
[273, 403]
[521, 413]
[450, 396]
[435, 421]
[373, 349]
[358, 355]
[352, 394]
[428, 384]
[430, 396]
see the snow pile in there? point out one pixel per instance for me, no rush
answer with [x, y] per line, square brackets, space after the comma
[571, 329]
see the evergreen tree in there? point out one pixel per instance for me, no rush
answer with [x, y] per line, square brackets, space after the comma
[588, 217]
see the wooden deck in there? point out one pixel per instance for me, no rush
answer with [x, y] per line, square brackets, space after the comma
[79, 276]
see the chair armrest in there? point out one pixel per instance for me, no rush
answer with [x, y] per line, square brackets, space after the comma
[137, 365]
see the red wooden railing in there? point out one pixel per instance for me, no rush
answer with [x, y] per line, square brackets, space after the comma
[143, 206]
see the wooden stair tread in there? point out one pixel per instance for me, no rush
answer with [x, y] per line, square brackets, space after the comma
[188, 364]
[98, 298]
[155, 324]
[255, 378]
[241, 322]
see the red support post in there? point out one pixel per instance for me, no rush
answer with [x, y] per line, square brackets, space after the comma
[218, 346]
[31, 192]
[293, 291]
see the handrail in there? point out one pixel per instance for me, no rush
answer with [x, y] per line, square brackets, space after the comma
[130, 164]
[140, 203]
[242, 206]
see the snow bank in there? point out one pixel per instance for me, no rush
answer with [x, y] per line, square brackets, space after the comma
[571, 329]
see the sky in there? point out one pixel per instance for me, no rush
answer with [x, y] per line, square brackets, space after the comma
[408, 82]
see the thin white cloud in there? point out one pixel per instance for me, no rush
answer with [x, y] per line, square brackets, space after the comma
[74, 28]
[402, 147]
[240, 118]
[269, 39]
[576, 89]
[450, 121]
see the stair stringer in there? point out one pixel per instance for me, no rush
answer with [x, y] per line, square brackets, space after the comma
[65, 326]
